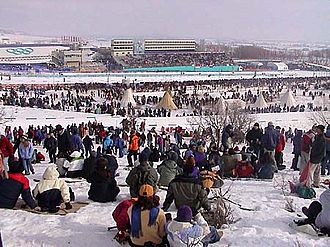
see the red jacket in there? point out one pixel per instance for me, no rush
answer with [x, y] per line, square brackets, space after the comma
[120, 215]
[19, 177]
[306, 142]
[6, 147]
[281, 144]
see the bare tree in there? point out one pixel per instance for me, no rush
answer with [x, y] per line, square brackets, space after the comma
[321, 117]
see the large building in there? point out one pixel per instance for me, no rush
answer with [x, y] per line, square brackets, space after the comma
[122, 47]
[169, 45]
[28, 53]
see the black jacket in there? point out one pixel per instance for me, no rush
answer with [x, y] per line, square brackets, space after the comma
[63, 142]
[254, 136]
[103, 189]
[88, 143]
[50, 143]
[89, 167]
[318, 149]
[186, 190]
[10, 190]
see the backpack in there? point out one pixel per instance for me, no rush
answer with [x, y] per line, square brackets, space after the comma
[243, 169]
[305, 192]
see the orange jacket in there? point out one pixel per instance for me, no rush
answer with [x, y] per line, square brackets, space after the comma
[134, 143]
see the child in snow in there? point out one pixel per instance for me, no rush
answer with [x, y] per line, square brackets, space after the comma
[183, 232]
[52, 191]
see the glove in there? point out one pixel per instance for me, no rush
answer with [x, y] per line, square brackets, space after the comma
[68, 205]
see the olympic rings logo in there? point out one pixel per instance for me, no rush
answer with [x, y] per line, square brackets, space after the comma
[20, 51]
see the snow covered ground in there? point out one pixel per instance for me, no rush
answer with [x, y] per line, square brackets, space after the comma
[137, 77]
[266, 226]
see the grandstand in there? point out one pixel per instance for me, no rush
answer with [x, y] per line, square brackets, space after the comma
[196, 59]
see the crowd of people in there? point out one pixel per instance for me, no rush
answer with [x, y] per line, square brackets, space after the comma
[172, 59]
[192, 98]
[190, 167]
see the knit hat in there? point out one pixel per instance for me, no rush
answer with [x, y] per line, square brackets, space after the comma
[146, 190]
[256, 124]
[144, 155]
[321, 127]
[184, 214]
[270, 124]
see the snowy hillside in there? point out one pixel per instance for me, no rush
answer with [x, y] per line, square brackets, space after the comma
[266, 225]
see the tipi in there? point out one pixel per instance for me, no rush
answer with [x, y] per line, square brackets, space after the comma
[167, 102]
[221, 105]
[260, 102]
[128, 98]
[288, 99]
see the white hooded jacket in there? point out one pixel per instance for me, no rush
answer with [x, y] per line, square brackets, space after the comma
[323, 218]
[50, 181]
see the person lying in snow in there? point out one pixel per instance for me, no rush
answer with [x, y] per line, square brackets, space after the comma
[51, 191]
[17, 184]
[103, 185]
[182, 231]
[318, 213]
[147, 220]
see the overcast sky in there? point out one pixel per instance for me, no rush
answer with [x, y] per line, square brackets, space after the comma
[304, 20]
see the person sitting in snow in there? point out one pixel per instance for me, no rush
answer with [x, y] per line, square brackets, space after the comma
[76, 166]
[17, 184]
[142, 174]
[51, 191]
[318, 213]
[103, 185]
[187, 189]
[182, 231]
[147, 220]
[168, 169]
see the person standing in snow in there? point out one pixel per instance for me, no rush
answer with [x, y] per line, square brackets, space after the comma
[306, 143]
[63, 140]
[133, 148]
[7, 150]
[269, 141]
[316, 156]
[88, 144]
[50, 144]
[296, 141]
[25, 150]
[279, 149]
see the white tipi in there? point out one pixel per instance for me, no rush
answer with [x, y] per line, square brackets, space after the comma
[221, 105]
[128, 98]
[288, 99]
[260, 102]
[167, 102]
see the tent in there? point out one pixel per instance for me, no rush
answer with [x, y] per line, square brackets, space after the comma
[128, 98]
[235, 102]
[260, 102]
[167, 102]
[288, 99]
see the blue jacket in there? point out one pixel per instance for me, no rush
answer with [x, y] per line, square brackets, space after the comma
[327, 145]
[76, 143]
[270, 139]
[25, 152]
[120, 143]
[297, 142]
[107, 143]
